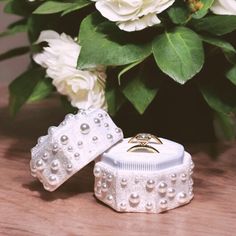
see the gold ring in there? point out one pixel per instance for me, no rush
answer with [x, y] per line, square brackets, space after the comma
[143, 140]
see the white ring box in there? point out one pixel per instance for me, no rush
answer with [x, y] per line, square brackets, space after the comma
[78, 140]
[144, 181]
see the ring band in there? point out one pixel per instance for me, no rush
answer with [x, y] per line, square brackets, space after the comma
[143, 139]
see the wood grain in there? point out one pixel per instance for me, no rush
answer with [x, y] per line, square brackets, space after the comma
[27, 209]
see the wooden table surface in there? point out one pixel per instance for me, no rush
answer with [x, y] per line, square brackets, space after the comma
[27, 209]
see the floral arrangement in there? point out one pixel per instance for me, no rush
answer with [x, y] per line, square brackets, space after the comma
[105, 53]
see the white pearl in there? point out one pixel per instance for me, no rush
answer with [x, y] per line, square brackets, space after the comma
[182, 197]
[104, 187]
[95, 138]
[97, 172]
[80, 144]
[149, 206]
[183, 177]
[106, 125]
[173, 177]
[63, 123]
[123, 182]
[40, 139]
[51, 129]
[109, 136]
[171, 192]
[123, 206]
[69, 116]
[69, 167]
[109, 178]
[55, 148]
[109, 198]
[70, 148]
[97, 121]
[55, 165]
[100, 115]
[162, 187]
[39, 164]
[76, 155]
[134, 198]
[52, 179]
[84, 128]
[45, 156]
[64, 139]
[118, 130]
[150, 184]
[163, 204]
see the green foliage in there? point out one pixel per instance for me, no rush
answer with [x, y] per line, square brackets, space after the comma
[178, 48]
[179, 53]
[104, 38]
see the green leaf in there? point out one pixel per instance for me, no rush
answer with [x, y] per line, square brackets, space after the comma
[217, 25]
[218, 42]
[204, 10]
[22, 88]
[14, 30]
[138, 92]
[14, 52]
[76, 6]
[19, 7]
[179, 53]
[42, 90]
[51, 7]
[103, 43]
[179, 13]
[115, 100]
[225, 126]
[231, 75]
[219, 94]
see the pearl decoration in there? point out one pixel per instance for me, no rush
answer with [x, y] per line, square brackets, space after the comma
[150, 184]
[163, 204]
[182, 197]
[183, 177]
[54, 148]
[51, 129]
[45, 156]
[63, 123]
[97, 172]
[97, 121]
[173, 177]
[134, 199]
[39, 164]
[76, 155]
[162, 187]
[84, 128]
[100, 115]
[149, 206]
[109, 136]
[95, 138]
[55, 165]
[109, 178]
[109, 198]
[171, 192]
[123, 206]
[80, 144]
[70, 148]
[64, 139]
[106, 125]
[69, 116]
[104, 187]
[69, 167]
[52, 178]
[40, 139]
[123, 182]
[118, 130]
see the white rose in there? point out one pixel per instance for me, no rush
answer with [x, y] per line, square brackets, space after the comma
[85, 89]
[224, 7]
[132, 15]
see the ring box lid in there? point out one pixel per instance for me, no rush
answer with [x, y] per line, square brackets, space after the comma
[170, 154]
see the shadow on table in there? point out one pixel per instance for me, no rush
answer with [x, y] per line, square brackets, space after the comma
[82, 182]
